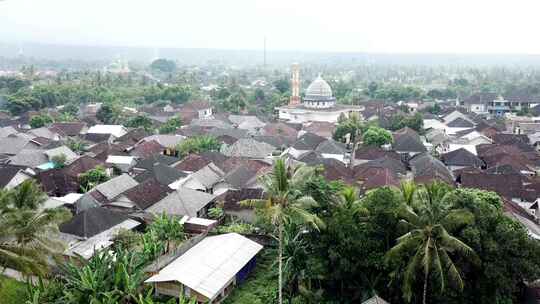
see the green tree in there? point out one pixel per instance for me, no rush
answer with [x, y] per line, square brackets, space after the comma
[59, 161]
[285, 204]
[108, 113]
[168, 229]
[375, 136]
[139, 121]
[29, 233]
[41, 120]
[283, 85]
[170, 126]
[428, 247]
[92, 178]
[198, 144]
[163, 65]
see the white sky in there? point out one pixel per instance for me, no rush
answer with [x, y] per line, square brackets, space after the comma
[393, 26]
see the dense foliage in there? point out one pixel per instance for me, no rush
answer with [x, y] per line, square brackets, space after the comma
[198, 144]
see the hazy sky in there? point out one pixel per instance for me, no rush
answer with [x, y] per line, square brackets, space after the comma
[420, 26]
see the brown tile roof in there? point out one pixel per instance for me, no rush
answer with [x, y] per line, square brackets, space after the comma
[56, 182]
[147, 193]
[371, 153]
[68, 128]
[507, 185]
[321, 128]
[147, 149]
[81, 165]
[231, 198]
[371, 178]
[192, 163]
[279, 129]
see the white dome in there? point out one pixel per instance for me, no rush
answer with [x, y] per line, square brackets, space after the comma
[319, 88]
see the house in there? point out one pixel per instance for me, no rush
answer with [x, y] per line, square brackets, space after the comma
[106, 192]
[69, 129]
[142, 196]
[426, 169]
[168, 176]
[231, 203]
[204, 179]
[7, 131]
[332, 149]
[506, 185]
[195, 110]
[11, 176]
[240, 178]
[478, 103]
[248, 148]
[114, 130]
[123, 163]
[147, 149]
[461, 158]
[32, 158]
[184, 201]
[149, 162]
[307, 142]
[210, 269]
[321, 128]
[280, 129]
[407, 141]
[132, 137]
[14, 143]
[61, 151]
[93, 230]
[165, 140]
[246, 122]
[45, 133]
[363, 154]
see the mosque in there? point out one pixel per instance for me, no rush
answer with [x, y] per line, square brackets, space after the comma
[318, 104]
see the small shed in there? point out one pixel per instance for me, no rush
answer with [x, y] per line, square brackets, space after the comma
[210, 269]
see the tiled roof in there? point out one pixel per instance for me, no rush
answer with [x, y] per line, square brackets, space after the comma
[461, 157]
[507, 185]
[308, 141]
[68, 128]
[147, 149]
[147, 193]
[92, 221]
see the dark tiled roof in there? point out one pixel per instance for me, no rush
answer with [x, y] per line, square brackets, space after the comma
[147, 193]
[370, 178]
[68, 128]
[371, 153]
[510, 139]
[193, 163]
[407, 140]
[396, 166]
[162, 173]
[324, 129]
[7, 172]
[460, 123]
[149, 162]
[462, 157]
[426, 168]
[57, 183]
[147, 149]
[92, 221]
[232, 198]
[279, 129]
[308, 141]
[97, 138]
[81, 165]
[507, 185]
[132, 137]
[240, 177]
[480, 98]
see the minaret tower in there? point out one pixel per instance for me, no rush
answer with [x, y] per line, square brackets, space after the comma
[295, 85]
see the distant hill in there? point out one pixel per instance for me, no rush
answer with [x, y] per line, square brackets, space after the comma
[253, 57]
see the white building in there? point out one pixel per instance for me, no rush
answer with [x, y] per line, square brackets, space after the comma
[319, 104]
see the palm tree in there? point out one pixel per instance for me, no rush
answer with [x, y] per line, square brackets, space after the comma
[26, 195]
[428, 245]
[408, 191]
[285, 204]
[28, 234]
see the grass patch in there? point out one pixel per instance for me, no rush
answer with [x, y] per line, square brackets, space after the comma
[261, 286]
[12, 291]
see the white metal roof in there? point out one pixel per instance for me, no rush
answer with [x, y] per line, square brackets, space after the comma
[116, 130]
[119, 159]
[211, 264]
